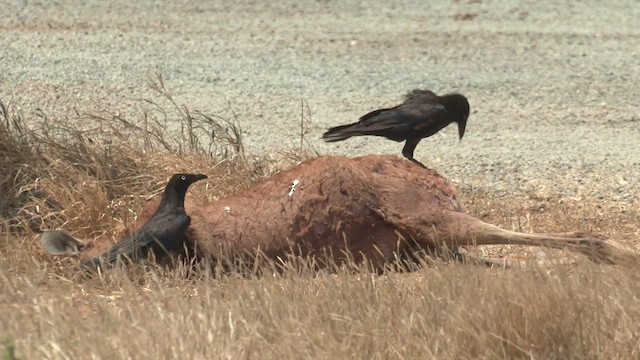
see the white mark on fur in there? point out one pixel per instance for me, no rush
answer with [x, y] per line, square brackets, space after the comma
[292, 188]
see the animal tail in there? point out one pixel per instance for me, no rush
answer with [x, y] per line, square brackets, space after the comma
[338, 133]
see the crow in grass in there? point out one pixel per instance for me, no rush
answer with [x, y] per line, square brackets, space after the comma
[164, 231]
[421, 115]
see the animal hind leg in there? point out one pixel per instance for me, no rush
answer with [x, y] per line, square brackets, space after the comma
[454, 229]
[467, 230]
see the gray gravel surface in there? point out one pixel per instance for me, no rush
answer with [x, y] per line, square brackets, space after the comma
[553, 85]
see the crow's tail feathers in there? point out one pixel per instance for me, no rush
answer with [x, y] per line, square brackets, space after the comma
[338, 133]
[95, 262]
[132, 247]
[108, 258]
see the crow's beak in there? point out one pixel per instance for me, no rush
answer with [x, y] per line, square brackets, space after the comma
[461, 126]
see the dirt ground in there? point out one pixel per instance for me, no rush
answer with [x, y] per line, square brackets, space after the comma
[552, 85]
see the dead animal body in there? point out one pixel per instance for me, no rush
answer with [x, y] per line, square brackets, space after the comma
[372, 208]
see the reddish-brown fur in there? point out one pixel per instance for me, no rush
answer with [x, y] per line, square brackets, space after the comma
[374, 206]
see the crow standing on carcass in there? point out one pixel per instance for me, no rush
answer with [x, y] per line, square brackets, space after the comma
[421, 115]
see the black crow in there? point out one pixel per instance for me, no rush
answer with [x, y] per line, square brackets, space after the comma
[421, 115]
[163, 232]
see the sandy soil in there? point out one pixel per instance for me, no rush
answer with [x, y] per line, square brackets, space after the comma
[553, 85]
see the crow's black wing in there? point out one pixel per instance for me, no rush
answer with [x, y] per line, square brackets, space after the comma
[158, 233]
[401, 121]
[343, 132]
[416, 95]
[376, 112]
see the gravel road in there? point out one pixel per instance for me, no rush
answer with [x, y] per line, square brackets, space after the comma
[553, 85]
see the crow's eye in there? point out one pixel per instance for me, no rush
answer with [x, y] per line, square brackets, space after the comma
[183, 178]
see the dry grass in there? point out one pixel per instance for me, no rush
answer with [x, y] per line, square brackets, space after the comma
[441, 312]
[93, 180]
[90, 173]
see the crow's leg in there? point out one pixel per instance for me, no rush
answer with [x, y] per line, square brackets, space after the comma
[409, 147]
